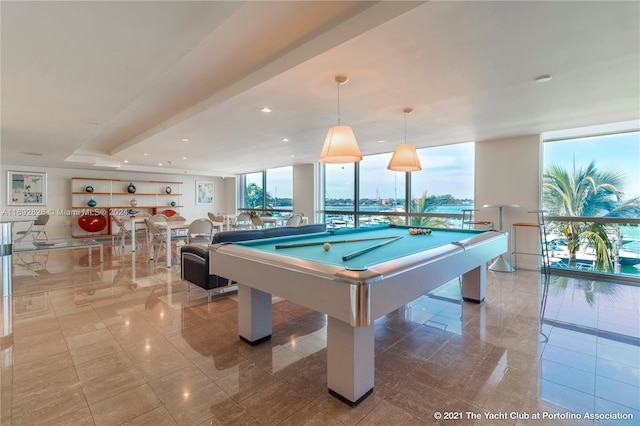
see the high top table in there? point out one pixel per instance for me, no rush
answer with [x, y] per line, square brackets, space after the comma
[501, 264]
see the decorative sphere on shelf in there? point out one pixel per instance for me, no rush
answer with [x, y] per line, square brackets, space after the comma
[173, 203]
[133, 202]
[167, 190]
[131, 189]
[88, 189]
[92, 202]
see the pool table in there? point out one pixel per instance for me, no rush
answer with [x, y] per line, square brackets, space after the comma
[355, 292]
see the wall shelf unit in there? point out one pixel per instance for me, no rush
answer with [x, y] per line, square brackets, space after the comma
[112, 198]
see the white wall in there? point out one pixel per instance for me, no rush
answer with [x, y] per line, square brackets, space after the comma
[507, 171]
[59, 194]
[304, 190]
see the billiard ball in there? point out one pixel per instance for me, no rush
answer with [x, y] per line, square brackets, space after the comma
[326, 246]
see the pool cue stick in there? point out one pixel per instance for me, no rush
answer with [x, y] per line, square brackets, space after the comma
[368, 249]
[319, 243]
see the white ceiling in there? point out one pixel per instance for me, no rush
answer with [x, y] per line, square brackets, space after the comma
[104, 82]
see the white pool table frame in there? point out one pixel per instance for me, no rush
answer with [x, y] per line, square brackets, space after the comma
[351, 299]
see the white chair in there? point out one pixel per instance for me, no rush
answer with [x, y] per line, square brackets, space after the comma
[35, 229]
[217, 220]
[123, 232]
[228, 220]
[243, 221]
[200, 230]
[257, 222]
[157, 238]
[294, 220]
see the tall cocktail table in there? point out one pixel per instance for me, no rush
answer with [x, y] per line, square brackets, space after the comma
[501, 264]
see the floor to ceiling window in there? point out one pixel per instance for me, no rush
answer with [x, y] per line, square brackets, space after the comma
[381, 192]
[268, 191]
[444, 186]
[279, 195]
[438, 193]
[339, 193]
[250, 187]
[591, 191]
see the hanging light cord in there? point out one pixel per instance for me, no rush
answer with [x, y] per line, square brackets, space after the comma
[405, 127]
[338, 103]
[406, 111]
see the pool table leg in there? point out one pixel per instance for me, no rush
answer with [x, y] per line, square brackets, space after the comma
[474, 284]
[350, 361]
[254, 315]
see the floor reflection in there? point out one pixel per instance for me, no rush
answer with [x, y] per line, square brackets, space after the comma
[120, 342]
[591, 360]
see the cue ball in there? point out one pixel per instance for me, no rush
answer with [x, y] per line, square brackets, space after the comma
[326, 246]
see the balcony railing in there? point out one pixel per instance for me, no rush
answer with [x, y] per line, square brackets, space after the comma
[618, 237]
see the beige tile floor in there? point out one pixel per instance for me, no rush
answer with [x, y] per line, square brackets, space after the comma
[120, 343]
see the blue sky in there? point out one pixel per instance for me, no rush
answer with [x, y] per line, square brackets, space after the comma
[445, 170]
[614, 152]
[449, 169]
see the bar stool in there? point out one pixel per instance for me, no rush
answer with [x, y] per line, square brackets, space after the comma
[542, 235]
[544, 246]
[514, 239]
[468, 218]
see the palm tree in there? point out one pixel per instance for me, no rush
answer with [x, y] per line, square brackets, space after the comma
[426, 204]
[586, 192]
[253, 196]
[423, 204]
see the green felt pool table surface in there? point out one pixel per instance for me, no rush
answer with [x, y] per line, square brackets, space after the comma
[407, 245]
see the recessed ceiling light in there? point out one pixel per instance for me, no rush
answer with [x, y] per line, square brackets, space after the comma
[145, 154]
[285, 139]
[293, 155]
[265, 109]
[125, 161]
[184, 158]
[380, 141]
[543, 78]
[159, 164]
[185, 139]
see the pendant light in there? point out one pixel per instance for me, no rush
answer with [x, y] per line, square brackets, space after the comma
[340, 145]
[405, 158]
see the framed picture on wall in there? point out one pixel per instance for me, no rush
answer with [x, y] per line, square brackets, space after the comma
[26, 188]
[204, 193]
